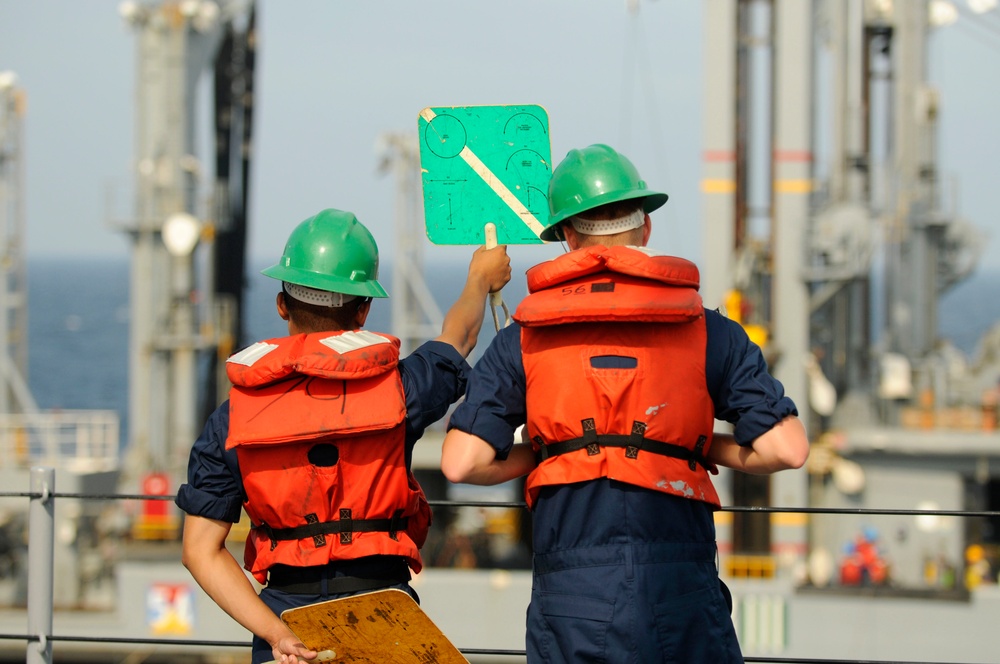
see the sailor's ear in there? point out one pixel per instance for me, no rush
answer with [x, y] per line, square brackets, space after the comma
[281, 305]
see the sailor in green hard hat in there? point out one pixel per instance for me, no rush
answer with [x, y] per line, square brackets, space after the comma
[331, 252]
[617, 372]
[316, 438]
[597, 191]
[329, 268]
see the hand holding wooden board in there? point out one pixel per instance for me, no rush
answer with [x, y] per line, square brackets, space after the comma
[383, 627]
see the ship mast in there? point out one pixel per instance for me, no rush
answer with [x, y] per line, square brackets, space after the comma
[416, 316]
[15, 396]
[808, 206]
[176, 317]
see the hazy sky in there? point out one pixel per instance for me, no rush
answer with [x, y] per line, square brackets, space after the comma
[334, 75]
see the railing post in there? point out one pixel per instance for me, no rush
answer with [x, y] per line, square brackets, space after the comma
[41, 537]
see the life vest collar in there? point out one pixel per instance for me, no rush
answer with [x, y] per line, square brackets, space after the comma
[627, 284]
[350, 354]
[635, 261]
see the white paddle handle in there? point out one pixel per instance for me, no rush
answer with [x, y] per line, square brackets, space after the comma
[491, 235]
[491, 242]
[496, 300]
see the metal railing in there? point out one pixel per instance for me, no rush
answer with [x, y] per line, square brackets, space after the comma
[77, 439]
[41, 539]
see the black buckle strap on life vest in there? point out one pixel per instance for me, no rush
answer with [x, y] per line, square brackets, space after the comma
[590, 436]
[698, 447]
[633, 444]
[346, 526]
[318, 540]
[636, 440]
[394, 524]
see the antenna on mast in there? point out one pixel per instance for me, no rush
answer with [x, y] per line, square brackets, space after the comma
[416, 316]
[15, 396]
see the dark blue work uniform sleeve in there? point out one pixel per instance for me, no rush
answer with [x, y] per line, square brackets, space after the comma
[494, 403]
[434, 376]
[745, 394]
[213, 488]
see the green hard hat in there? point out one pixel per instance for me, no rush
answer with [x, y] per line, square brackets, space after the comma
[588, 178]
[331, 251]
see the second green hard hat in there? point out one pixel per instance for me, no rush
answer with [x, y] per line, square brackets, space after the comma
[331, 251]
[590, 177]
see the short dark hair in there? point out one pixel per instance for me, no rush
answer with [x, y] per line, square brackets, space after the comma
[612, 210]
[319, 318]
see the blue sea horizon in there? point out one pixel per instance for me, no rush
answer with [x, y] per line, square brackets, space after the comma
[78, 322]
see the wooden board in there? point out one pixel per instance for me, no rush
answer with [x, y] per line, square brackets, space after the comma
[387, 627]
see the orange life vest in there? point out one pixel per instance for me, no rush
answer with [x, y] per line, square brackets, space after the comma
[317, 421]
[649, 424]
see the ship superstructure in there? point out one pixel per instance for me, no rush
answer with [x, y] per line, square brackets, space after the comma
[828, 235]
[189, 223]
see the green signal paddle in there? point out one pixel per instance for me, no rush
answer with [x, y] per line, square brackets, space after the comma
[485, 174]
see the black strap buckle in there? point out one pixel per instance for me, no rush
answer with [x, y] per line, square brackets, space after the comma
[635, 440]
[319, 539]
[395, 523]
[346, 527]
[542, 453]
[267, 530]
[590, 436]
[698, 447]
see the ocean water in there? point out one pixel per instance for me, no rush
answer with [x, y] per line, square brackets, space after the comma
[78, 323]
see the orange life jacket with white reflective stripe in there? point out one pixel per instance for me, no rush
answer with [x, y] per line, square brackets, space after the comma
[317, 421]
[613, 342]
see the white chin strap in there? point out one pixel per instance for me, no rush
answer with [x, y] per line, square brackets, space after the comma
[609, 226]
[315, 296]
